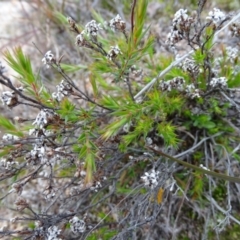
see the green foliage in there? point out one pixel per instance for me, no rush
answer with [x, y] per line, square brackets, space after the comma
[60, 17]
[67, 171]
[198, 186]
[168, 132]
[9, 127]
[68, 68]
[203, 121]
[21, 64]
[67, 111]
[231, 233]
[220, 191]
[6, 150]
[103, 233]
[88, 152]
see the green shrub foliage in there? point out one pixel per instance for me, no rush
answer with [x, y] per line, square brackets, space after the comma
[147, 149]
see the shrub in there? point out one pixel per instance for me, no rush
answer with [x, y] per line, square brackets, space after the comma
[152, 140]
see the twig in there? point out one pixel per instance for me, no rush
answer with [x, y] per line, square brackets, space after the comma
[127, 196]
[202, 170]
[222, 210]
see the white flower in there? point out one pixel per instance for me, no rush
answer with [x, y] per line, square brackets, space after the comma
[149, 141]
[9, 98]
[71, 21]
[151, 179]
[80, 39]
[44, 117]
[232, 54]
[114, 52]
[218, 82]
[58, 96]
[203, 167]
[49, 194]
[174, 36]
[216, 16]
[38, 153]
[77, 225]
[192, 92]
[180, 24]
[117, 24]
[92, 28]
[8, 165]
[175, 83]
[53, 233]
[48, 58]
[189, 65]
[9, 137]
[96, 186]
[63, 89]
[32, 131]
[180, 15]
[235, 29]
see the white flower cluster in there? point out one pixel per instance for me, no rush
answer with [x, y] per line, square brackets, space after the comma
[180, 24]
[38, 153]
[63, 89]
[189, 65]
[49, 194]
[179, 84]
[9, 98]
[175, 83]
[232, 54]
[53, 233]
[80, 39]
[77, 225]
[180, 17]
[8, 165]
[45, 117]
[216, 16]
[71, 21]
[44, 155]
[39, 232]
[220, 82]
[173, 37]
[41, 153]
[97, 185]
[36, 132]
[93, 186]
[92, 28]
[235, 29]
[114, 52]
[117, 24]
[151, 178]
[9, 137]
[192, 92]
[48, 58]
